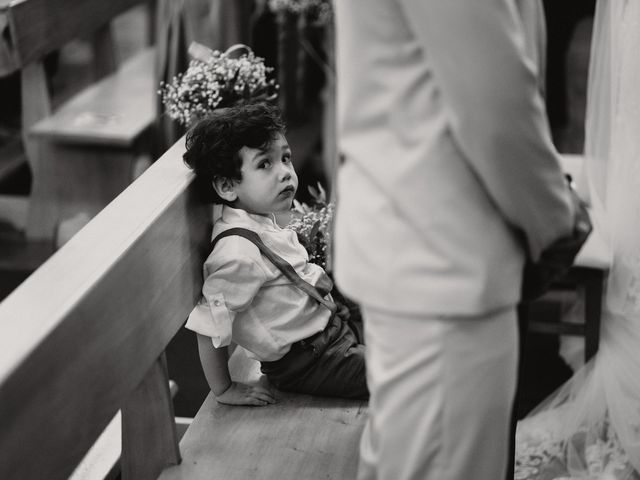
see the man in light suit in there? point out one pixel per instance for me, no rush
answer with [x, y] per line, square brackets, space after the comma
[449, 181]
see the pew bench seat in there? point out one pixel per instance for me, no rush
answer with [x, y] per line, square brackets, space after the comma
[92, 147]
[300, 436]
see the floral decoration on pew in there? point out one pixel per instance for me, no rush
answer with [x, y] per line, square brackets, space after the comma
[216, 79]
[313, 225]
[320, 12]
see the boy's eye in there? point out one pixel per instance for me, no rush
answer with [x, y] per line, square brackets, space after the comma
[264, 164]
[286, 158]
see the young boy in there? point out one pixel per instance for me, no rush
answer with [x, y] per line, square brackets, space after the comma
[241, 159]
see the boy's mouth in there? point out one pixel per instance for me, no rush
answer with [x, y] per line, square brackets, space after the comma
[289, 190]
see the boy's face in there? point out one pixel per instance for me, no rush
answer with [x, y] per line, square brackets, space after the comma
[269, 181]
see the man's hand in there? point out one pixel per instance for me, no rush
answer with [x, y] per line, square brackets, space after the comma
[243, 394]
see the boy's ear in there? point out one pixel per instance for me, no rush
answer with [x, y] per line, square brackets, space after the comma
[225, 188]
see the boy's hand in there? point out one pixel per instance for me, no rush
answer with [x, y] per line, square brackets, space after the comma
[243, 394]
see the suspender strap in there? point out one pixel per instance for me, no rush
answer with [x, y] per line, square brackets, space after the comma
[284, 266]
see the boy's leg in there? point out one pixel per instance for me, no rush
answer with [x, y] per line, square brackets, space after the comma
[441, 393]
[340, 370]
[331, 365]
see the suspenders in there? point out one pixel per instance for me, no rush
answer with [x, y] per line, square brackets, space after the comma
[284, 266]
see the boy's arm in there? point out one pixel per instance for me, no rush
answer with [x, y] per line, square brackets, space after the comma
[216, 370]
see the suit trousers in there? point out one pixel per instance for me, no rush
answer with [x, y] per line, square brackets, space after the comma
[442, 391]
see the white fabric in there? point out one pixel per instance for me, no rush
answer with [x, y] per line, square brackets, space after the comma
[248, 300]
[441, 399]
[591, 427]
[447, 153]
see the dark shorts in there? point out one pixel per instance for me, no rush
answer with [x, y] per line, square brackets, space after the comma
[330, 363]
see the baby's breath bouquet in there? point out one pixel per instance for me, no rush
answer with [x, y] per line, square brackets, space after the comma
[312, 223]
[216, 79]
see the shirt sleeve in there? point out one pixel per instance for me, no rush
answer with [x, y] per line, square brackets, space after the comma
[497, 114]
[229, 287]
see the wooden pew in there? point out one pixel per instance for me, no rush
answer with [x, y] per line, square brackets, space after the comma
[31, 29]
[84, 335]
[89, 150]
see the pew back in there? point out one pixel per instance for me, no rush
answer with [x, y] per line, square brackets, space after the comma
[29, 31]
[84, 335]
[34, 28]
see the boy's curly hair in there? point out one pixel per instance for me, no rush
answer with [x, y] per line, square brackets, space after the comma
[214, 142]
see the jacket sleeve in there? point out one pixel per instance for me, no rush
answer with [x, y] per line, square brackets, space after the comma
[230, 286]
[491, 88]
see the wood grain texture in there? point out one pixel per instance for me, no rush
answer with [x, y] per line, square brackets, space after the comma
[78, 335]
[34, 28]
[299, 437]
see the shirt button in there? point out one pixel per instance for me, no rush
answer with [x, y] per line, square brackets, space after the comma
[216, 303]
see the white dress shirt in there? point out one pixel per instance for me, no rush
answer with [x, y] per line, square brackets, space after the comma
[248, 300]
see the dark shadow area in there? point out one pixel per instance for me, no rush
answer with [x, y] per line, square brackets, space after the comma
[185, 370]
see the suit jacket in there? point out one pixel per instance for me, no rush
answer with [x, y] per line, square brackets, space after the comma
[450, 177]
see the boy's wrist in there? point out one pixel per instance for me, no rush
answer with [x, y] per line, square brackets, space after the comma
[220, 391]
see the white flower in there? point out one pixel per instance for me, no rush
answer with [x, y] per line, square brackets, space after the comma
[213, 80]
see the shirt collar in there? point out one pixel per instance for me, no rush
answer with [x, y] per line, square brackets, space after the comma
[237, 216]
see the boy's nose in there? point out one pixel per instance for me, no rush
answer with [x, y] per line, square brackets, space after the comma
[285, 172]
